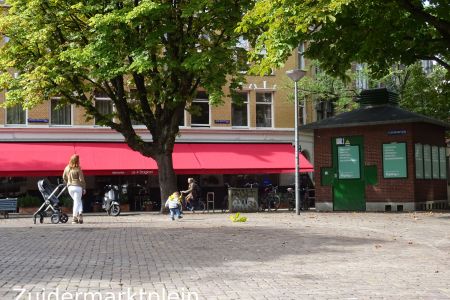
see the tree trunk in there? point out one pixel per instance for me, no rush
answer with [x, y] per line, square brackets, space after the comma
[167, 177]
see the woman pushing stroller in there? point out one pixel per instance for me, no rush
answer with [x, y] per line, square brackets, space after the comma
[76, 185]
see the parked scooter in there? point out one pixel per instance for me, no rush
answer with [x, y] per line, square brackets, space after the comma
[111, 201]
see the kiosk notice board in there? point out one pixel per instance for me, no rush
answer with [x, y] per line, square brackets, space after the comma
[394, 160]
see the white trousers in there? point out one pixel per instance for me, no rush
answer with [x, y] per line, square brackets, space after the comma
[76, 192]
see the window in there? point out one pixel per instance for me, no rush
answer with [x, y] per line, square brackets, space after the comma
[264, 109]
[182, 119]
[362, 80]
[324, 109]
[200, 108]
[16, 115]
[239, 110]
[301, 56]
[104, 106]
[61, 114]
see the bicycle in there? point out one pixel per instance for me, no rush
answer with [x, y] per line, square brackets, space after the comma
[270, 200]
[193, 205]
[290, 197]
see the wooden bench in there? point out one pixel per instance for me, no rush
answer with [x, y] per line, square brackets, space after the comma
[8, 205]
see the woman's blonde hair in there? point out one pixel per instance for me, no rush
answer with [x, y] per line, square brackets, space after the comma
[74, 161]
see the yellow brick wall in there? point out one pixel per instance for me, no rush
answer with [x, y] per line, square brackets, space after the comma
[278, 83]
[40, 111]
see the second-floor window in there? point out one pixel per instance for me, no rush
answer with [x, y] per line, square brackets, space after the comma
[239, 110]
[324, 109]
[300, 56]
[201, 107]
[104, 105]
[16, 115]
[61, 114]
[264, 109]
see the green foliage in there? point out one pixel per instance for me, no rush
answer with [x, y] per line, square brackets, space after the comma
[149, 57]
[427, 94]
[238, 218]
[29, 201]
[380, 33]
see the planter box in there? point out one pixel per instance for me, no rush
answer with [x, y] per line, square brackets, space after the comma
[66, 210]
[124, 207]
[97, 207]
[148, 207]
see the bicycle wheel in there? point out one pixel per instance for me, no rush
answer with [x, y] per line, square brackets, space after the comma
[262, 204]
[201, 206]
[274, 202]
[291, 202]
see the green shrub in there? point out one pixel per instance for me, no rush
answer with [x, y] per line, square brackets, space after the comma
[29, 201]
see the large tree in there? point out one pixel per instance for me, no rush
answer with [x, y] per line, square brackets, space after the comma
[149, 56]
[380, 33]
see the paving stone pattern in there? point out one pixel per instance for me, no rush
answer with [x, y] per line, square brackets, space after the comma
[271, 256]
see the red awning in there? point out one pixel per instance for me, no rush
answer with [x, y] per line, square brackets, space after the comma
[49, 159]
[248, 158]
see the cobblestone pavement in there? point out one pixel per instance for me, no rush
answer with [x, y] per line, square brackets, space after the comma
[271, 256]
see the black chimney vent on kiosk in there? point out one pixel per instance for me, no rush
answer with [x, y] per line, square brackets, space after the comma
[374, 97]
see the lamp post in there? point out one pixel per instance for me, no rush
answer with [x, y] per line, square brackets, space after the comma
[296, 75]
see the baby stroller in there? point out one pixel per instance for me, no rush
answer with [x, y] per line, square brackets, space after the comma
[50, 207]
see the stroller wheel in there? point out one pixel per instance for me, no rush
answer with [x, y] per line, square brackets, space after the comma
[41, 218]
[63, 218]
[54, 218]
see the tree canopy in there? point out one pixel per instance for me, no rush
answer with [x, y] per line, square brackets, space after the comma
[380, 33]
[149, 56]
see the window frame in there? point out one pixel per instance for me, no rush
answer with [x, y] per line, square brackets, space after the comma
[51, 114]
[246, 103]
[202, 100]
[16, 124]
[272, 121]
[102, 99]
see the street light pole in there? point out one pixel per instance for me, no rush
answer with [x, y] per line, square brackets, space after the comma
[296, 75]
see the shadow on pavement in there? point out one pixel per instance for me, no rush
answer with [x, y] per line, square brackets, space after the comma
[34, 254]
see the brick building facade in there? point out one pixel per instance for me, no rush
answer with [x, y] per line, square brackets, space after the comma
[385, 125]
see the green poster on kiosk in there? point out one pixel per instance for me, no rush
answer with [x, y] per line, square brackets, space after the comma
[418, 154]
[442, 163]
[394, 160]
[427, 161]
[435, 162]
[348, 162]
